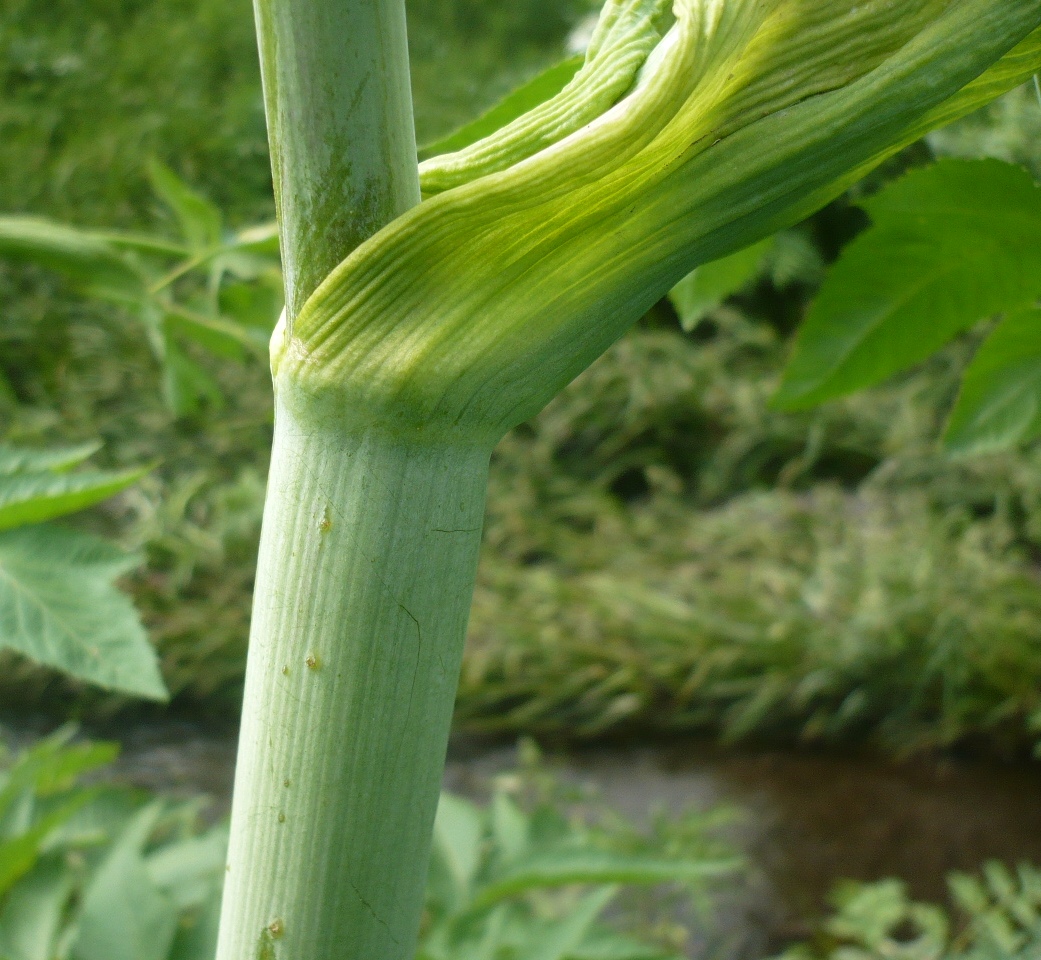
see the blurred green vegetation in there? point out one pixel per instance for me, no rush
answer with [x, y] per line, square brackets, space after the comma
[108, 872]
[94, 87]
[1009, 129]
[663, 552]
[57, 603]
[997, 916]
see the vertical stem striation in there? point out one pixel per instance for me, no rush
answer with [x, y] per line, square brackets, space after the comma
[366, 574]
[368, 551]
[339, 113]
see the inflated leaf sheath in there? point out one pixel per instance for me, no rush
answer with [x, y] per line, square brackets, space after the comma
[468, 313]
[625, 35]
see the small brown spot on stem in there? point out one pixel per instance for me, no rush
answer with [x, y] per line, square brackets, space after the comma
[326, 523]
[276, 928]
[313, 662]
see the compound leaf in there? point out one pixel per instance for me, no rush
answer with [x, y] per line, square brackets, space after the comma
[952, 245]
[187, 385]
[35, 497]
[457, 841]
[200, 221]
[19, 854]
[566, 867]
[59, 607]
[31, 918]
[707, 287]
[28, 460]
[125, 915]
[89, 259]
[557, 941]
[954, 191]
[1000, 400]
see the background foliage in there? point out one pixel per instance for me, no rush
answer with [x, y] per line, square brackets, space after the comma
[90, 872]
[671, 554]
[665, 551]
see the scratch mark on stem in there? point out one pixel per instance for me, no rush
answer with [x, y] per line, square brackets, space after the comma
[419, 654]
[375, 915]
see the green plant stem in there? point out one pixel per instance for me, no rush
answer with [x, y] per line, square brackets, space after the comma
[363, 591]
[368, 550]
[339, 113]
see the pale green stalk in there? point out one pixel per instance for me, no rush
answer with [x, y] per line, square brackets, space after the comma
[366, 573]
[339, 111]
[401, 362]
[368, 551]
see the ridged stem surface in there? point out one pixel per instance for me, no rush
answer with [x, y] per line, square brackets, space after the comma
[339, 113]
[366, 573]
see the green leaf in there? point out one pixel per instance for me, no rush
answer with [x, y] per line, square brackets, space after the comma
[624, 36]
[187, 386]
[26, 460]
[526, 97]
[944, 254]
[489, 939]
[509, 828]
[58, 606]
[794, 258]
[145, 243]
[255, 306]
[555, 941]
[708, 286]
[34, 912]
[261, 239]
[190, 871]
[34, 497]
[457, 841]
[608, 945]
[125, 916]
[479, 307]
[563, 868]
[51, 766]
[962, 192]
[95, 824]
[213, 333]
[200, 221]
[19, 855]
[88, 259]
[1000, 400]
[197, 935]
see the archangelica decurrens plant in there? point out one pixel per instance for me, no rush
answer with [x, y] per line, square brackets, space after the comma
[417, 333]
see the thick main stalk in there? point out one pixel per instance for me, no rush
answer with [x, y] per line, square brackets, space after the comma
[368, 549]
[363, 590]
